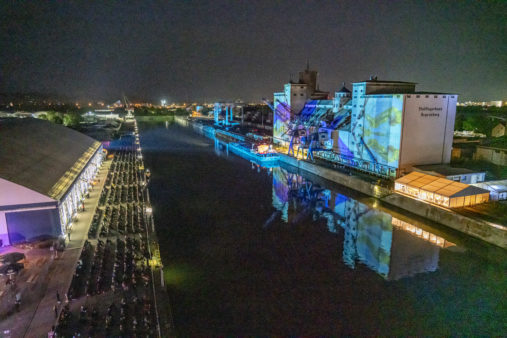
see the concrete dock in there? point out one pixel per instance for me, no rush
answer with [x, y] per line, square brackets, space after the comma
[44, 275]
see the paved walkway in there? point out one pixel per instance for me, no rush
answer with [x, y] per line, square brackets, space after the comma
[36, 317]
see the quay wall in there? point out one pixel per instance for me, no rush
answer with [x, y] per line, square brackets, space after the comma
[491, 233]
[337, 177]
[182, 121]
[158, 118]
[485, 231]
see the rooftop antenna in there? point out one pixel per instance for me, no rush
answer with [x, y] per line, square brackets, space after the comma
[307, 64]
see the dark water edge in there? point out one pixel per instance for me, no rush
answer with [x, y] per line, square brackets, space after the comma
[237, 264]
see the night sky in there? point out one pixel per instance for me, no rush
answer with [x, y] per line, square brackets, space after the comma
[208, 50]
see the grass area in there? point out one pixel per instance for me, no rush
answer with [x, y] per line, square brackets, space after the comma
[497, 142]
[155, 118]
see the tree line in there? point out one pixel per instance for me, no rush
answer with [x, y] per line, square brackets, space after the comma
[479, 119]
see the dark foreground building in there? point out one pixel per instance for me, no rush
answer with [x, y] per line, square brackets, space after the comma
[45, 171]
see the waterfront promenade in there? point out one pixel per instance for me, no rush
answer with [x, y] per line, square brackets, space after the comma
[45, 275]
[116, 289]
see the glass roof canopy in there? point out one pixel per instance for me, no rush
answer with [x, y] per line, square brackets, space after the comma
[438, 185]
[63, 184]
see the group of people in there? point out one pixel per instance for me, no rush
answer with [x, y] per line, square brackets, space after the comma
[113, 265]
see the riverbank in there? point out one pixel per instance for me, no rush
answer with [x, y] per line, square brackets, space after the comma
[489, 232]
[486, 231]
[258, 251]
[157, 118]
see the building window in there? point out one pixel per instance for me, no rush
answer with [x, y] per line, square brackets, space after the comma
[409, 96]
[418, 96]
[294, 94]
[444, 96]
[452, 97]
[436, 96]
[427, 96]
[301, 94]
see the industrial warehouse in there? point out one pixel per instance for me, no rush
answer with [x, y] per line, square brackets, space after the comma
[46, 170]
[380, 127]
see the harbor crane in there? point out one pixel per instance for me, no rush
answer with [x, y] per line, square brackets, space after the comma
[227, 122]
[303, 128]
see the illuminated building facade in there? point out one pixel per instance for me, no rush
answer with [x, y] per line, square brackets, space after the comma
[440, 191]
[390, 128]
[292, 100]
[46, 170]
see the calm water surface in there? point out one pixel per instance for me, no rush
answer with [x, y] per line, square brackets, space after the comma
[255, 251]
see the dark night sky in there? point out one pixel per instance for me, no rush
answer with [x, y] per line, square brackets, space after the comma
[207, 50]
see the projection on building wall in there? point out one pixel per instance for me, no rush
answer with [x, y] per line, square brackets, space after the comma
[281, 118]
[377, 130]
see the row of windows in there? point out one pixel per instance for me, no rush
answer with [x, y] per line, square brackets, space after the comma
[427, 96]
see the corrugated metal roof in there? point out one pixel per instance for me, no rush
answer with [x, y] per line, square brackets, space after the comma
[439, 185]
[43, 156]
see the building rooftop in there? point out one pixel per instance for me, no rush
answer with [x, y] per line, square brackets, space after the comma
[382, 81]
[440, 186]
[343, 90]
[496, 186]
[43, 156]
[444, 170]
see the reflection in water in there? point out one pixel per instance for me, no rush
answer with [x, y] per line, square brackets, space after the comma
[235, 268]
[391, 247]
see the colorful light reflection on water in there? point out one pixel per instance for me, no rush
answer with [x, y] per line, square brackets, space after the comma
[262, 251]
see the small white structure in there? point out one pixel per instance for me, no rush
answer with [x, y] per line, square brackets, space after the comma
[462, 175]
[497, 189]
[498, 130]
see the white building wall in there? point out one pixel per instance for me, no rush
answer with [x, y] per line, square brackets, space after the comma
[69, 204]
[15, 194]
[12, 194]
[427, 132]
[494, 155]
[3, 229]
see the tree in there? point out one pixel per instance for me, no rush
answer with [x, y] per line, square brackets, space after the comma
[55, 117]
[72, 120]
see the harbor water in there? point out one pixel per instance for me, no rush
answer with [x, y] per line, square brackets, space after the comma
[250, 250]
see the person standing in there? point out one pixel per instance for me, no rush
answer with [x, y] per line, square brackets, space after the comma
[18, 301]
[58, 297]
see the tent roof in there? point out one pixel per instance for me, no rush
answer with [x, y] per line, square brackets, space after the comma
[438, 185]
[43, 156]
